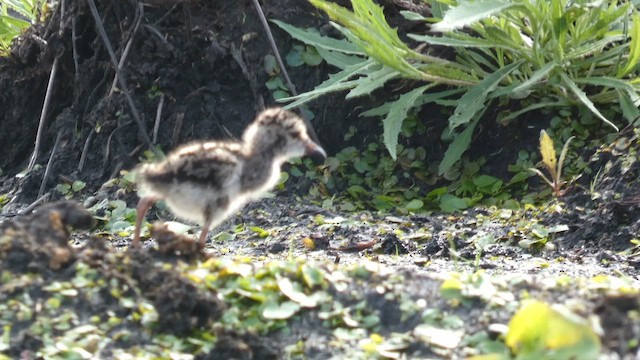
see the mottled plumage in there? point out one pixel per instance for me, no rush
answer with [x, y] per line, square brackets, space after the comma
[207, 181]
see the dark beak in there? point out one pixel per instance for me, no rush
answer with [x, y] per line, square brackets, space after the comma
[315, 152]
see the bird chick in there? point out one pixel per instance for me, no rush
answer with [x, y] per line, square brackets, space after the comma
[205, 182]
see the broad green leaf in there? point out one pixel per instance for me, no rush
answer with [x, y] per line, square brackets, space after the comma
[451, 203]
[455, 150]
[473, 100]
[312, 38]
[467, 13]
[415, 204]
[398, 112]
[275, 311]
[585, 100]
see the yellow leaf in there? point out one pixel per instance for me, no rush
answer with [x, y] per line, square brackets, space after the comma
[537, 328]
[309, 243]
[548, 153]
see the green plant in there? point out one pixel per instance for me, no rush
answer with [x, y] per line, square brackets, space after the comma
[552, 163]
[15, 17]
[538, 54]
[68, 190]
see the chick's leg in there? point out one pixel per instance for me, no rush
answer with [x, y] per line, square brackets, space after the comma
[143, 207]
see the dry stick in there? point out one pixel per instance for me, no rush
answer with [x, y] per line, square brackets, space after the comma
[33, 205]
[49, 163]
[85, 150]
[123, 85]
[177, 128]
[125, 53]
[75, 50]
[43, 115]
[287, 79]
[156, 125]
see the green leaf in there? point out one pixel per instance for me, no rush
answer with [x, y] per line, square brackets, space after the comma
[463, 41]
[415, 204]
[311, 56]
[634, 47]
[467, 13]
[397, 114]
[410, 15]
[585, 100]
[629, 109]
[474, 99]
[535, 78]
[451, 203]
[78, 185]
[311, 37]
[275, 311]
[372, 81]
[336, 82]
[338, 59]
[455, 150]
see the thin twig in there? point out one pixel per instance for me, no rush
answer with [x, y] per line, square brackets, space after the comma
[33, 205]
[175, 137]
[123, 85]
[74, 48]
[283, 69]
[236, 54]
[156, 125]
[43, 114]
[49, 163]
[274, 47]
[107, 151]
[85, 150]
[156, 32]
[125, 53]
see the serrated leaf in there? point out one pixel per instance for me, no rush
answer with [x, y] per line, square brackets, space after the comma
[373, 81]
[311, 37]
[473, 100]
[398, 112]
[467, 13]
[336, 82]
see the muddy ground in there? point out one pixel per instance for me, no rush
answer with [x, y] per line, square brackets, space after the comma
[88, 295]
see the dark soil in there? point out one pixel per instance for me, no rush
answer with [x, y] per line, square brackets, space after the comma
[206, 59]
